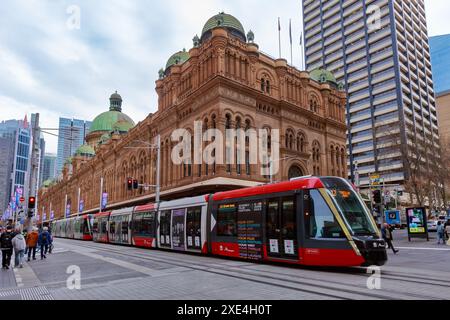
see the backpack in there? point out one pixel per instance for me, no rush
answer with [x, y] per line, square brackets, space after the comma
[6, 240]
[44, 237]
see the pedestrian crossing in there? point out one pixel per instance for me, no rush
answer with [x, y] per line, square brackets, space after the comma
[36, 293]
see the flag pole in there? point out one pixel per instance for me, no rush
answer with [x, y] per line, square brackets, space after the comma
[302, 66]
[290, 37]
[279, 36]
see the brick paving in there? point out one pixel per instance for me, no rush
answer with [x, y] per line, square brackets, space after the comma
[115, 272]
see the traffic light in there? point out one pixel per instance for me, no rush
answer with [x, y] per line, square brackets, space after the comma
[135, 184]
[31, 202]
[30, 214]
[130, 184]
[376, 196]
[400, 193]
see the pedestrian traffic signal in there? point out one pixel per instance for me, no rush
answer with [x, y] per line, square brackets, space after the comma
[31, 202]
[130, 184]
[30, 214]
[376, 196]
[400, 193]
[135, 184]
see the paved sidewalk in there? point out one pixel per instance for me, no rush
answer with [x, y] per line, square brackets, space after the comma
[7, 279]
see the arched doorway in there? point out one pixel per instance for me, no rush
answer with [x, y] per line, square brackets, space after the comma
[295, 172]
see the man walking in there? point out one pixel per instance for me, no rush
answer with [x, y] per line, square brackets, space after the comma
[32, 241]
[19, 246]
[387, 236]
[440, 232]
[6, 247]
[43, 241]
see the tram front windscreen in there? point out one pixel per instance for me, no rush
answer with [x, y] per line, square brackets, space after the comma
[350, 206]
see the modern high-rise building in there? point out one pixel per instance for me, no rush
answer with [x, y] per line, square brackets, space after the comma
[71, 136]
[440, 59]
[6, 167]
[20, 134]
[49, 171]
[379, 49]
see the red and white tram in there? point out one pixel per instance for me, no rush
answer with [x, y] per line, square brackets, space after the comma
[308, 221]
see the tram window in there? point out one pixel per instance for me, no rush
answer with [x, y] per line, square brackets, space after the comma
[288, 230]
[272, 219]
[112, 227]
[103, 226]
[320, 222]
[227, 221]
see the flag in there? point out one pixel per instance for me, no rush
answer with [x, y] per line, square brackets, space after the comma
[279, 25]
[290, 31]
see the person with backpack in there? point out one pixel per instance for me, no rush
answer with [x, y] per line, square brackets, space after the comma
[6, 247]
[44, 241]
[440, 232]
[19, 246]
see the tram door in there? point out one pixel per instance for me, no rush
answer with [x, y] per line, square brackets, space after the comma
[178, 224]
[281, 230]
[193, 228]
[250, 230]
[164, 228]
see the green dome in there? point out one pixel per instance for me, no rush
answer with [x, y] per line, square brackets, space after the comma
[47, 183]
[107, 120]
[224, 20]
[85, 150]
[178, 58]
[322, 76]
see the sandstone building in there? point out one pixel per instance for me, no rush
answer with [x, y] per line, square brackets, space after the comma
[224, 81]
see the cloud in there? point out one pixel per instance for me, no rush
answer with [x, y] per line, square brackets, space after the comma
[121, 45]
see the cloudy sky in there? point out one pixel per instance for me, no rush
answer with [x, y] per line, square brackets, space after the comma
[58, 71]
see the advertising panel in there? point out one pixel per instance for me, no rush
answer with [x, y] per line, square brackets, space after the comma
[178, 229]
[417, 222]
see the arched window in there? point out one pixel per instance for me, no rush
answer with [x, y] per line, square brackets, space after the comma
[228, 126]
[268, 86]
[263, 85]
[295, 172]
[237, 151]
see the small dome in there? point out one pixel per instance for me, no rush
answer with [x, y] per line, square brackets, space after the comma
[106, 121]
[178, 58]
[323, 76]
[225, 21]
[85, 151]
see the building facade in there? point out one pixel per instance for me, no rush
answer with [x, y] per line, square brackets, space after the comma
[6, 167]
[49, 170]
[223, 82]
[72, 133]
[440, 60]
[379, 49]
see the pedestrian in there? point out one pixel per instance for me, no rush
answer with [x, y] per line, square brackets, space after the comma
[440, 232]
[386, 232]
[43, 241]
[6, 247]
[19, 246]
[32, 241]
[50, 244]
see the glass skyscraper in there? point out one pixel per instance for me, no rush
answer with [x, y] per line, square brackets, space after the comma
[71, 136]
[440, 59]
[379, 49]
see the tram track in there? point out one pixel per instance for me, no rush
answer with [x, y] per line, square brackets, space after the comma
[286, 280]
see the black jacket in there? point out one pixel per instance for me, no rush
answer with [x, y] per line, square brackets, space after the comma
[6, 240]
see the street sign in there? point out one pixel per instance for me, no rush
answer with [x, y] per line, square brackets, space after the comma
[22, 199]
[81, 208]
[375, 179]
